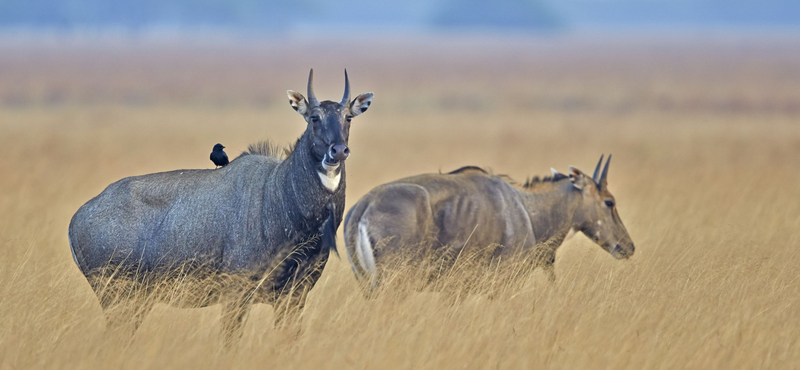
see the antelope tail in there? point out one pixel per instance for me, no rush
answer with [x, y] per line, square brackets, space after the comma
[364, 253]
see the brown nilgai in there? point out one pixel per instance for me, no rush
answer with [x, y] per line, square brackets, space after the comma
[438, 217]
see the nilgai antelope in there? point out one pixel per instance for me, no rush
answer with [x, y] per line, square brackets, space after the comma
[263, 223]
[438, 215]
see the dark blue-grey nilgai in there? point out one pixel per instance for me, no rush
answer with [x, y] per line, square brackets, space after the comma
[260, 228]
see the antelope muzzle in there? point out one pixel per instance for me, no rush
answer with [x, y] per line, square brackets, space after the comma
[338, 153]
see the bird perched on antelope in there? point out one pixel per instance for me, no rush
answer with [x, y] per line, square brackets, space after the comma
[218, 156]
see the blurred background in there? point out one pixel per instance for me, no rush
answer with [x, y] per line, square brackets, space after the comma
[699, 102]
[276, 17]
[220, 51]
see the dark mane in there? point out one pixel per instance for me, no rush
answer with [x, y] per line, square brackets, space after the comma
[269, 149]
[533, 181]
[529, 183]
[468, 169]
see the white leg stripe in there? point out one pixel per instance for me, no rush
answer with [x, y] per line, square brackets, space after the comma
[570, 234]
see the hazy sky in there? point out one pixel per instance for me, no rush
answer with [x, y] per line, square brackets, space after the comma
[274, 15]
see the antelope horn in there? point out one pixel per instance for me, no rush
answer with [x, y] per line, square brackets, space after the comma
[346, 97]
[597, 170]
[603, 177]
[312, 99]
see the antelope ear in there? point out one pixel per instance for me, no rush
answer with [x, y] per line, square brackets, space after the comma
[360, 104]
[298, 102]
[578, 179]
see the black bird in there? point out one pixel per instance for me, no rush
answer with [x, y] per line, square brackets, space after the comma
[218, 156]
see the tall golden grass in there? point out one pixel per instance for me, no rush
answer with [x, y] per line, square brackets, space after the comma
[706, 144]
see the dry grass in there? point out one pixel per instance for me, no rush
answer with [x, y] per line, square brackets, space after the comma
[706, 144]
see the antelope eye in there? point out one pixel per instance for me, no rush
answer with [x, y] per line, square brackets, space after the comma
[610, 203]
[348, 118]
[315, 118]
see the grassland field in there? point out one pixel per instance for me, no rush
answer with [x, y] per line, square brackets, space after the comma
[705, 135]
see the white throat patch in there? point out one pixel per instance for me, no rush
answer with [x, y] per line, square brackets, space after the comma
[330, 178]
